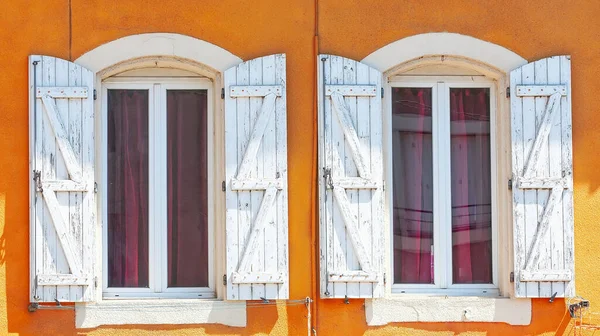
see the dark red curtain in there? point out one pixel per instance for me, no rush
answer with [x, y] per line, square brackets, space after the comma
[127, 188]
[413, 185]
[187, 188]
[471, 185]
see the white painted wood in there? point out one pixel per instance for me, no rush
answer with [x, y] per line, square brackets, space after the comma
[540, 90]
[63, 202]
[556, 275]
[259, 277]
[62, 92]
[256, 184]
[355, 276]
[351, 90]
[542, 166]
[256, 177]
[255, 90]
[62, 280]
[350, 193]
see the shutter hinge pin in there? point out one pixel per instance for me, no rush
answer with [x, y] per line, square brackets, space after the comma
[384, 279]
[508, 92]
[95, 94]
[95, 187]
[33, 307]
[223, 186]
[38, 180]
[346, 301]
[224, 279]
[510, 184]
[382, 91]
[222, 93]
[512, 276]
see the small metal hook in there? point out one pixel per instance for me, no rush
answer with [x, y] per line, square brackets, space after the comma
[346, 301]
[264, 300]
[553, 297]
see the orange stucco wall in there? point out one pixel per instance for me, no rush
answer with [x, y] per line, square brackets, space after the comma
[352, 28]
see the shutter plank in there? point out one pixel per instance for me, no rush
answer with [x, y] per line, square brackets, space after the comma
[349, 102]
[62, 172]
[49, 153]
[363, 129]
[567, 168]
[261, 110]
[338, 169]
[544, 111]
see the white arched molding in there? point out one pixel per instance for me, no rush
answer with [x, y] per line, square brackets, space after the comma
[443, 44]
[174, 46]
[495, 62]
[174, 51]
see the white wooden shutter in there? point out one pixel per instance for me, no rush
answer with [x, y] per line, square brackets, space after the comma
[256, 179]
[351, 183]
[542, 178]
[61, 117]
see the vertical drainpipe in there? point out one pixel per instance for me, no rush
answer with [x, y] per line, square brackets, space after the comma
[314, 182]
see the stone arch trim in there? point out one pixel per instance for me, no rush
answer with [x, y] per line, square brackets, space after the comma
[168, 45]
[443, 44]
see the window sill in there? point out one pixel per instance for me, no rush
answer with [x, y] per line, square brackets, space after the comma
[163, 311]
[421, 308]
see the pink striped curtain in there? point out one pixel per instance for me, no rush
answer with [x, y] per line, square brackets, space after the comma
[413, 185]
[471, 185]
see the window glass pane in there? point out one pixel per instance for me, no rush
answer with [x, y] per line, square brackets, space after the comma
[471, 185]
[413, 185]
[127, 188]
[187, 188]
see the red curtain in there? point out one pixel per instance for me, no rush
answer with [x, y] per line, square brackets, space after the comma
[127, 188]
[413, 185]
[187, 188]
[471, 185]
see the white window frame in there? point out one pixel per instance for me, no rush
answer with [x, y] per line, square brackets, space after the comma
[440, 86]
[158, 270]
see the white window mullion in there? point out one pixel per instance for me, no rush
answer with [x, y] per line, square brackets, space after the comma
[438, 246]
[153, 210]
[160, 180]
[445, 182]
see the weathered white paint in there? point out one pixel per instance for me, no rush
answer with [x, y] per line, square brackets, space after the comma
[448, 309]
[351, 210]
[62, 198]
[62, 92]
[256, 177]
[157, 44]
[164, 311]
[351, 90]
[540, 90]
[417, 46]
[259, 277]
[255, 90]
[542, 168]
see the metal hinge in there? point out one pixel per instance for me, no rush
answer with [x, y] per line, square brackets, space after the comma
[512, 276]
[224, 279]
[95, 94]
[223, 187]
[95, 187]
[382, 91]
[384, 279]
[327, 177]
[510, 184]
[222, 93]
[37, 177]
[95, 282]
[508, 92]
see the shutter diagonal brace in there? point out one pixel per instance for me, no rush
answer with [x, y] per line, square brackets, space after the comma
[242, 182]
[530, 181]
[340, 184]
